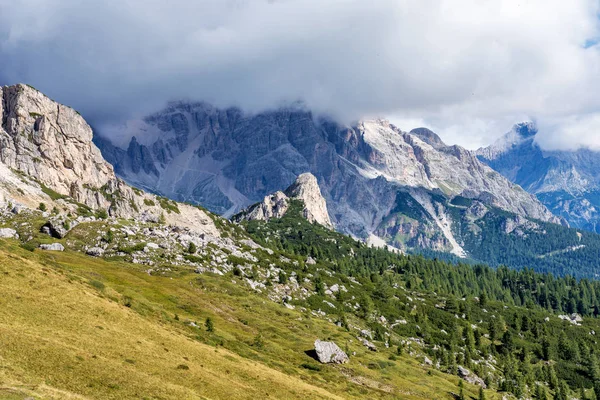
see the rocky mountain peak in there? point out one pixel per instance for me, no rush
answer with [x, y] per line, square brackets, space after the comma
[276, 205]
[429, 137]
[520, 134]
[47, 157]
[526, 129]
[50, 142]
[306, 188]
[227, 160]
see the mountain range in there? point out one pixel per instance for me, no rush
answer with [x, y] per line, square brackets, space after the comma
[109, 291]
[380, 183]
[567, 182]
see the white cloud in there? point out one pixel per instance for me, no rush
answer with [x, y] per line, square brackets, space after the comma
[570, 133]
[467, 67]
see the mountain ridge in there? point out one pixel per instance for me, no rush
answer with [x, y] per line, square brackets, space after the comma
[567, 182]
[226, 160]
[93, 292]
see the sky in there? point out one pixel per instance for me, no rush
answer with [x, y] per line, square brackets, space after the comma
[468, 69]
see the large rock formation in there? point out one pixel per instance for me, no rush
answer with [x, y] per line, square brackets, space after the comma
[306, 189]
[47, 156]
[374, 177]
[567, 182]
[51, 143]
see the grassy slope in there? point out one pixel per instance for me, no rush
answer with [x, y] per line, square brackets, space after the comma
[75, 327]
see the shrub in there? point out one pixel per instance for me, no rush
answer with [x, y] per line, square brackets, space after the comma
[131, 249]
[42, 207]
[311, 367]
[192, 258]
[101, 214]
[97, 284]
[109, 236]
[258, 341]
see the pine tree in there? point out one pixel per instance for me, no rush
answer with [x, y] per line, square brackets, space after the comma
[546, 349]
[482, 300]
[481, 394]
[563, 391]
[597, 389]
[540, 393]
[210, 327]
[469, 339]
[461, 392]
[552, 378]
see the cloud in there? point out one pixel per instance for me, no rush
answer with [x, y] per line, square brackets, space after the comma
[571, 133]
[468, 68]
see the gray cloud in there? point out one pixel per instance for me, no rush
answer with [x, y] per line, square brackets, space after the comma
[467, 68]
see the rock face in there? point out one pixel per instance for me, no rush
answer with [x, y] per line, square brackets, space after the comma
[567, 182]
[51, 143]
[330, 353]
[306, 189]
[47, 156]
[368, 173]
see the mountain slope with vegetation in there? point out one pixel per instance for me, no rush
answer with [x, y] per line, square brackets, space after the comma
[110, 293]
[77, 327]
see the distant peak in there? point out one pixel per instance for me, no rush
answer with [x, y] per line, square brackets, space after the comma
[526, 129]
[428, 136]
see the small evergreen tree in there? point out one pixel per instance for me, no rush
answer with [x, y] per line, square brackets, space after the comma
[461, 392]
[210, 327]
[482, 300]
[282, 277]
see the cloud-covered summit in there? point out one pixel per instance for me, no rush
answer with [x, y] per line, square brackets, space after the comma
[469, 69]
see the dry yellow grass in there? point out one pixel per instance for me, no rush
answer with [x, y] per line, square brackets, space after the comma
[64, 338]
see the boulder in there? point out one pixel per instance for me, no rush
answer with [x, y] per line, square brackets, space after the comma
[95, 252]
[58, 227]
[330, 353]
[471, 377]
[368, 344]
[52, 247]
[8, 233]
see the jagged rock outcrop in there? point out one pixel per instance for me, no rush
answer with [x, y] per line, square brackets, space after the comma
[330, 353]
[51, 143]
[47, 156]
[276, 205]
[567, 182]
[59, 226]
[306, 188]
[471, 377]
[227, 160]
